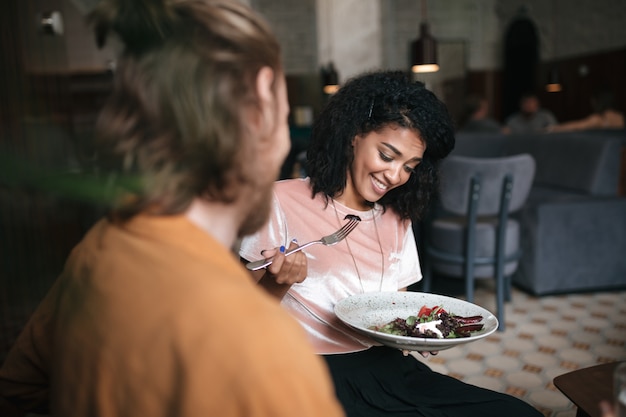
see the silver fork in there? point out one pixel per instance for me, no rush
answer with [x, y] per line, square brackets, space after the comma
[329, 240]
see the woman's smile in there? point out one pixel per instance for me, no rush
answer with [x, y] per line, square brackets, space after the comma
[379, 185]
[383, 160]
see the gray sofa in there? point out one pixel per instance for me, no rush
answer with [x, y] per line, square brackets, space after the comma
[574, 222]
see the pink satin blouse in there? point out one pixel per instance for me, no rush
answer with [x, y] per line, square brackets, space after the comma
[352, 266]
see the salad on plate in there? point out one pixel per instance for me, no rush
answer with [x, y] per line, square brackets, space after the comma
[432, 322]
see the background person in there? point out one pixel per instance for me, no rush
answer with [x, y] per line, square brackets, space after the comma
[604, 115]
[530, 118]
[153, 315]
[477, 116]
[374, 151]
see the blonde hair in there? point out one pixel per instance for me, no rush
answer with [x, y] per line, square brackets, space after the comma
[174, 127]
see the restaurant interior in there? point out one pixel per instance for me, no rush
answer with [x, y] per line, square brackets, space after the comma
[563, 315]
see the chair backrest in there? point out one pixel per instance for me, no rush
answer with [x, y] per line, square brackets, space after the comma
[458, 171]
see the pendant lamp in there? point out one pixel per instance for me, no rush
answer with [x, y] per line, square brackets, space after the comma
[553, 85]
[330, 79]
[554, 81]
[424, 49]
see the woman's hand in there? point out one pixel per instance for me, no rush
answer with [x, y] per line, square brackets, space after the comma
[424, 354]
[284, 271]
[287, 270]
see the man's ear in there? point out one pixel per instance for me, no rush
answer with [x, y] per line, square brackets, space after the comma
[265, 116]
[264, 82]
[264, 89]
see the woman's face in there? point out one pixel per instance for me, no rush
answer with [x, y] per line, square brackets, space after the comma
[383, 160]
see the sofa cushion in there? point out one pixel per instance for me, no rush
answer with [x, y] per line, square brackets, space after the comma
[572, 242]
[481, 145]
[578, 161]
[583, 162]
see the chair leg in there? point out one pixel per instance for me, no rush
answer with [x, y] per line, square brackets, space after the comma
[469, 280]
[507, 291]
[500, 291]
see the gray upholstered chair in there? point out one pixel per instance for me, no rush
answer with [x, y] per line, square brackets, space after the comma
[472, 235]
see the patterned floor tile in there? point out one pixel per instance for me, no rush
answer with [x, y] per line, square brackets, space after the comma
[545, 337]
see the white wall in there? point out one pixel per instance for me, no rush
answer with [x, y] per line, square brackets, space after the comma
[349, 33]
[566, 28]
[368, 34]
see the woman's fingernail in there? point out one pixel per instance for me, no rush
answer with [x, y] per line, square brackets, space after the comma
[282, 249]
[294, 240]
[263, 252]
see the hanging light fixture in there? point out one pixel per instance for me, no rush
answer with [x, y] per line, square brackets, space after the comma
[554, 77]
[424, 49]
[329, 74]
[330, 79]
[554, 81]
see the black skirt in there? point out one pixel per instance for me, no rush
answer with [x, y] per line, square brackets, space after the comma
[382, 381]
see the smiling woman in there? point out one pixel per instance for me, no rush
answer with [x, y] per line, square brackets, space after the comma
[373, 153]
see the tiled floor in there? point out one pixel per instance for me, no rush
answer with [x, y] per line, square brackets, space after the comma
[545, 337]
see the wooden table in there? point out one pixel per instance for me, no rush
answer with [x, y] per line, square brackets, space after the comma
[587, 387]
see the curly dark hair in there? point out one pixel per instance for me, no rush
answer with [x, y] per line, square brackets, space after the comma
[368, 103]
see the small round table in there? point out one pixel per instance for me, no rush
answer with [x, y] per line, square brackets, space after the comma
[587, 387]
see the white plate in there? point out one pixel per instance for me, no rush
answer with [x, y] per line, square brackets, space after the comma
[362, 311]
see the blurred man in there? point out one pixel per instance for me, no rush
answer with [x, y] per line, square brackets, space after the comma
[530, 118]
[153, 315]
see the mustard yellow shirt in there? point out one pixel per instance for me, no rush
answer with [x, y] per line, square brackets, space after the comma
[156, 318]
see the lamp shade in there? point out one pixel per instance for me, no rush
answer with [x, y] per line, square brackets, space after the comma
[554, 81]
[330, 79]
[424, 52]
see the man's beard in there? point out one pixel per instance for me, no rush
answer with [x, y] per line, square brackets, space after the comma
[258, 213]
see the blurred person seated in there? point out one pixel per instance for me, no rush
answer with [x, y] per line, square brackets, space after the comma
[531, 117]
[604, 115]
[153, 315]
[477, 117]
